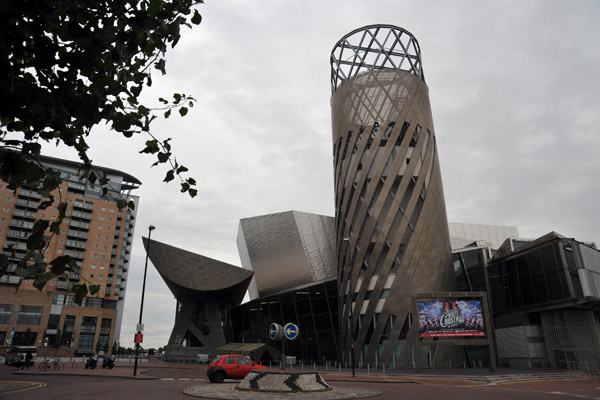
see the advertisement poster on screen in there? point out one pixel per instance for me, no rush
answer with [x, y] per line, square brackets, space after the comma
[451, 318]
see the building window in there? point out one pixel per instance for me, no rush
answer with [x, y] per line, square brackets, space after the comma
[86, 342]
[93, 265]
[2, 219]
[100, 227]
[30, 315]
[5, 313]
[102, 218]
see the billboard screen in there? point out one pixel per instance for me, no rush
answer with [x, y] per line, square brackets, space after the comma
[449, 318]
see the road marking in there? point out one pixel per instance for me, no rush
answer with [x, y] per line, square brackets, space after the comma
[167, 379]
[34, 385]
[184, 379]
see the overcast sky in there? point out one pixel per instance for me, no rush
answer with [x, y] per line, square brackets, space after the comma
[515, 93]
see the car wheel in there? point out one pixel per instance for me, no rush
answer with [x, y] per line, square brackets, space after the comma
[218, 377]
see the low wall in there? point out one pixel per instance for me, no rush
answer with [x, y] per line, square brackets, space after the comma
[287, 382]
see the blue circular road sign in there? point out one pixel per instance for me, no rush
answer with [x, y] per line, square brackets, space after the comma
[290, 331]
[275, 331]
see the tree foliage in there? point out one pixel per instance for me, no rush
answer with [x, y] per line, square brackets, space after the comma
[67, 66]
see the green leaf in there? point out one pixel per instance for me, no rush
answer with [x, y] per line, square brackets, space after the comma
[197, 18]
[94, 289]
[170, 176]
[80, 292]
[183, 111]
[131, 205]
[167, 113]
[121, 203]
[154, 7]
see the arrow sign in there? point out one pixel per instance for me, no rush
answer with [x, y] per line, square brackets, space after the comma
[290, 331]
[275, 331]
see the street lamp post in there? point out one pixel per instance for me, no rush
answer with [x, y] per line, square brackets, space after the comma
[347, 241]
[137, 344]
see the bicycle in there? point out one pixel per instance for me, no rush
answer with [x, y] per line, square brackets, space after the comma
[49, 364]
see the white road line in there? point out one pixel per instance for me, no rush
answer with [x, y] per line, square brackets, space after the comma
[184, 379]
[167, 379]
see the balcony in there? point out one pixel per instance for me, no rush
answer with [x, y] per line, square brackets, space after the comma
[24, 214]
[77, 234]
[82, 215]
[61, 285]
[29, 193]
[28, 204]
[80, 224]
[18, 234]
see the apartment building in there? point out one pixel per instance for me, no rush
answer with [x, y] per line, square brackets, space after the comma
[96, 234]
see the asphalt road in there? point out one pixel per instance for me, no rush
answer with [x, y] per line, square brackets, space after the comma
[170, 383]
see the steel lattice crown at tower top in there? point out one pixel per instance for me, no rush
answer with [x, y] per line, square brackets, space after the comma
[374, 47]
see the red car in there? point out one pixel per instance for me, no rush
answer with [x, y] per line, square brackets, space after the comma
[230, 366]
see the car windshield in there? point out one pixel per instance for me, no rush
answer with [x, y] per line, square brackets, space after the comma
[217, 358]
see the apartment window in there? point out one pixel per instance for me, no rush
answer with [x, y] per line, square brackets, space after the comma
[100, 227]
[95, 256]
[112, 210]
[104, 257]
[108, 228]
[109, 219]
[5, 209]
[61, 240]
[105, 247]
[5, 313]
[9, 199]
[70, 201]
[102, 267]
[59, 251]
[2, 219]
[98, 236]
[103, 208]
[100, 277]
[93, 265]
[43, 216]
[102, 218]
[106, 237]
[59, 299]
[91, 275]
[30, 315]
[97, 246]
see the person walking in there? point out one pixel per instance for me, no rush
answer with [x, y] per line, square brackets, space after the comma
[28, 358]
[20, 360]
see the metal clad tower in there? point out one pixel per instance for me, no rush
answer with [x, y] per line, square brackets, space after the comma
[389, 199]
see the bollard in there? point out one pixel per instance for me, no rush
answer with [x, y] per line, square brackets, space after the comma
[450, 364]
[314, 367]
[383, 365]
[464, 364]
[368, 368]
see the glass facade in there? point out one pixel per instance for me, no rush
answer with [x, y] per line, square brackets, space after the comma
[313, 309]
[529, 278]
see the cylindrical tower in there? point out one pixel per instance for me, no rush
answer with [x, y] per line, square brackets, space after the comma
[389, 199]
